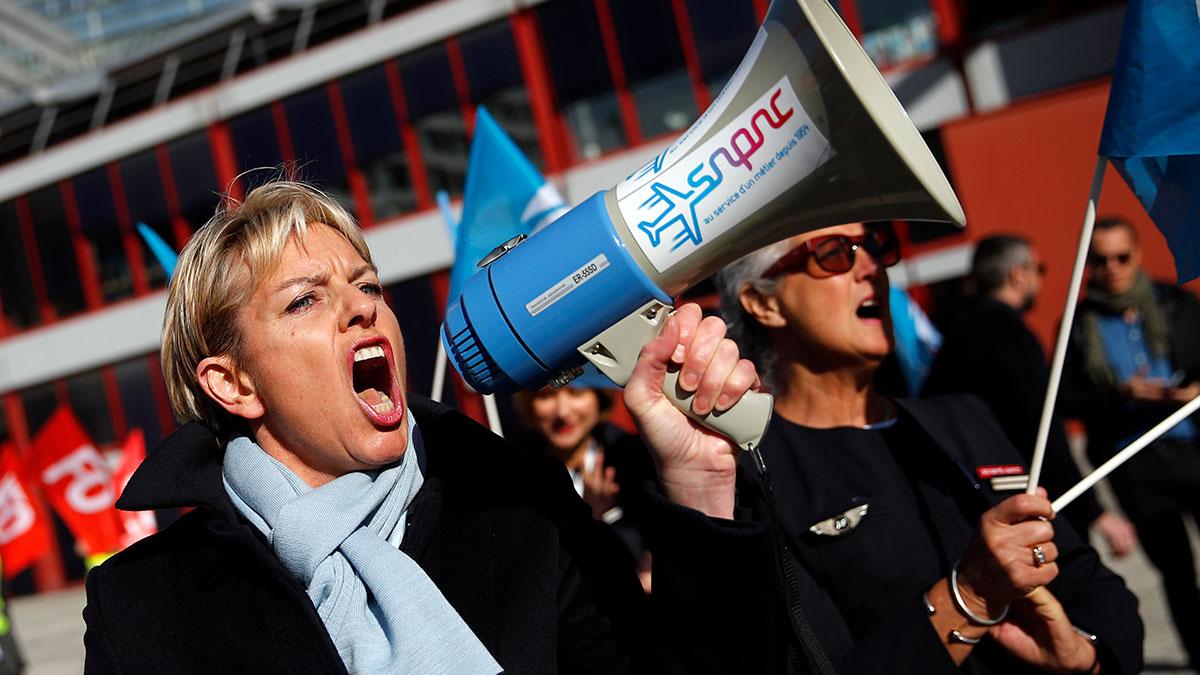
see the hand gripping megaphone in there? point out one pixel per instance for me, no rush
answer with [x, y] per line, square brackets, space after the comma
[805, 135]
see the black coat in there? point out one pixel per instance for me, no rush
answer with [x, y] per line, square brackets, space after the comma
[1101, 406]
[991, 353]
[503, 536]
[871, 623]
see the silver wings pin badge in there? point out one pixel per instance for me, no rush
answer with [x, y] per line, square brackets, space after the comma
[840, 524]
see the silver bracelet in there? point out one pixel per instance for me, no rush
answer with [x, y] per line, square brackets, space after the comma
[962, 606]
[958, 637]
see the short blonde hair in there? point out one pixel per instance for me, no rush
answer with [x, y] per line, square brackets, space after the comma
[217, 273]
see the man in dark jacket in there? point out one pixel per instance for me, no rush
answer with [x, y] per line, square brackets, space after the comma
[1134, 358]
[989, 352]
[344, 525]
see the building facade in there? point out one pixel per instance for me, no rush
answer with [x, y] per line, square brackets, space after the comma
[375, 100]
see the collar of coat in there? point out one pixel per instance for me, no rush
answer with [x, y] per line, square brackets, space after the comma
[184, 470]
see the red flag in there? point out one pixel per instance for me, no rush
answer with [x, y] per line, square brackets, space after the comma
[78, 482]
[137, 524]
[25, 533]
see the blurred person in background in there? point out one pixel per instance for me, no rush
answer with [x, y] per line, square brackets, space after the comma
[1134, 358]
[607, 465]
[915, 564]
[990, 352]
[342, 524]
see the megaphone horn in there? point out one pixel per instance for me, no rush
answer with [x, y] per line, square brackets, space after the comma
[805, 135]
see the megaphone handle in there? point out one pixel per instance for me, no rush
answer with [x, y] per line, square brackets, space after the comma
[615, 351]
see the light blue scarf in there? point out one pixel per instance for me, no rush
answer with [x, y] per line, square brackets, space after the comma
[382, 611]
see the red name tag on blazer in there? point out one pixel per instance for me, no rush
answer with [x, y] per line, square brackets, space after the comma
[993, 470]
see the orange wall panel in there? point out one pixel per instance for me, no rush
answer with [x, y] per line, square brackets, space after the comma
[1028, 169]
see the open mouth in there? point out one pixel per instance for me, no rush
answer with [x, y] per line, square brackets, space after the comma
[373, 374]
[870, 309]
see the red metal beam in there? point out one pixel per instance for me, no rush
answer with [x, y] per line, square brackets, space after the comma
[29, 241]
[89, 276]
[408, 135]
[949, 21]
[540, 84]
[225, 164]
[129, 240]
[849, 11]
[760, 9]
[691, 55]
[283, 136]
[162, 406]
[616, 68]
[462, 85]
[354, 175]
[116, 408]
[181, 230]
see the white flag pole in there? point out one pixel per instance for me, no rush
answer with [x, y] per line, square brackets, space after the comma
[439, 373]
[1064, 329]
[1124, 455]
[493, 415]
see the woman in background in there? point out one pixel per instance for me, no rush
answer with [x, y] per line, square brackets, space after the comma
[607, 465]
[921, 563]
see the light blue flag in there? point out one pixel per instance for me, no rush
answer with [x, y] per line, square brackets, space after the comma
[505, 196]
[1152, 126]
[917, 340]
[162, 250]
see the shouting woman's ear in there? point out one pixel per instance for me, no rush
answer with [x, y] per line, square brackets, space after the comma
[231, 388]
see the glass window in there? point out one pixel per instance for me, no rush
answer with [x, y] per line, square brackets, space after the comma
[723, 31]
[650, 51]
[56, 251]
[147, 204]
[94, 199]
[895, 31]
[195, 179]
[91, 406]
[315, 142]
[582, 82]
[256, 146]
[39, 403]
[420, 317]
[494, 75]
[16, 286]
[378, 149]
[435, 114]
[138, 399]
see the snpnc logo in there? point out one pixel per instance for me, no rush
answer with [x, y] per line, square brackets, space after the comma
[674, 208]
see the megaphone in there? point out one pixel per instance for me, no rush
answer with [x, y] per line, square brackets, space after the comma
[805, 135]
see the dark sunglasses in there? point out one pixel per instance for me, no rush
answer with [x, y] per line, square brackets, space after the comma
[835, 253]
[1097, 260]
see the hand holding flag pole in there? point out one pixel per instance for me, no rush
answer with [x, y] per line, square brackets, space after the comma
[1152, 136]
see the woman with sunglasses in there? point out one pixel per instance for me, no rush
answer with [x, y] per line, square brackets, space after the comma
[908, 554]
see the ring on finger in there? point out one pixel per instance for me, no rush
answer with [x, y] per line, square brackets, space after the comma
[1039, 556]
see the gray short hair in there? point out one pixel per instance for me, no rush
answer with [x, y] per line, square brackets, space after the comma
[995, 257]
[744, 329]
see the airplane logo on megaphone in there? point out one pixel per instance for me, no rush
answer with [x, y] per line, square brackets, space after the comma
[673, 199]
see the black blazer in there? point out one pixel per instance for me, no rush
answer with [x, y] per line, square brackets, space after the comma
[812, 483]
[503, 536]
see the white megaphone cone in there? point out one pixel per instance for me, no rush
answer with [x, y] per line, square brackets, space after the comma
[805, 135]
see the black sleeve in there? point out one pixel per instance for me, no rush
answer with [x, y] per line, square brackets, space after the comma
[1097, 601]
[99, 656]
